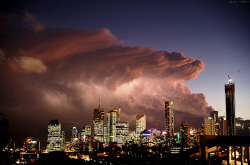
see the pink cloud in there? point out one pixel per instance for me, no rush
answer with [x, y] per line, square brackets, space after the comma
[82, 65]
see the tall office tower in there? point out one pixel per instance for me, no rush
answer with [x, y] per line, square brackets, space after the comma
[121, 132]
[140, 125]
[169, 118]
[214, 115]
[209, 126]
[111, 125]
[223, 126]
[74, 134]
[98, 121]
[55, 137]
[230, 108]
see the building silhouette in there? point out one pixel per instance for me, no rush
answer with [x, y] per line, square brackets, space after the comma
[169, 118]
[98, 121]
[230, 108]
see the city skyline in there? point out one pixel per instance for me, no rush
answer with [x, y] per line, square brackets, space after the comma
[57, 59]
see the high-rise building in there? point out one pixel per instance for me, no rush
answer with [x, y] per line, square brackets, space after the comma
[223, 126]
[98, 121]
[122, 132]
[209, 126]
[169, 118]
[74, 134]
[55, 136]
[214, 115]
[230, 108]
[140, 125]
[111, 125]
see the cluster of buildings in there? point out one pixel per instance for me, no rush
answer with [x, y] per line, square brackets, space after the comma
[115, 131]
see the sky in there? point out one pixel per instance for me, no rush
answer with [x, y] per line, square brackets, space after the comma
[58, 57]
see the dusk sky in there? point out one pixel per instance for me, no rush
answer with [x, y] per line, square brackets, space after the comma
[58, 57]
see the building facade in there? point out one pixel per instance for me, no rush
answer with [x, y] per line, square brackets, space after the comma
[56, 137]
[98, 121]
[169, 118]
[140, 125]
[209, 126]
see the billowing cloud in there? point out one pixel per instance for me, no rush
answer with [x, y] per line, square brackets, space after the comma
[85, 64]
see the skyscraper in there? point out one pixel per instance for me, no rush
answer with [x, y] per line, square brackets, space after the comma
[140, 125]
[98, 121]
[111, 125]
[55, 136]
[230, 108]
[223, 126]
[169, 118]
[209, 126]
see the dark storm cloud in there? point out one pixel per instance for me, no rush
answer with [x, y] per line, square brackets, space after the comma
[60, 73]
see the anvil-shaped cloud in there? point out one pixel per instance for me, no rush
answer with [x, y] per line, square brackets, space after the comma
[67, 70]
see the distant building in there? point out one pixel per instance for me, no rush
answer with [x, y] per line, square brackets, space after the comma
[32, 145]
[169, 118]
[209, 126]
[140, 125]
[74, 134]
[214, 115]
[185, 133]
[230, 108]
[111, 125]
[98, 121]
[223, 126]
[56, 136]
[116, 130]
[121, 132]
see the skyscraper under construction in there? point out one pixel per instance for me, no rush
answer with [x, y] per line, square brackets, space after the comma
[230, 108]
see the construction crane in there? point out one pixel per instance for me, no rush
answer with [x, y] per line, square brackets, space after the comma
[230, 77]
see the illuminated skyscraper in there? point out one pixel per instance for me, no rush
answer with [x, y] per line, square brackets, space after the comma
[140, 125]
[209, 126]
[230, 108]
[98, 121]
[111, 125]
[55, 136]
[169, 118]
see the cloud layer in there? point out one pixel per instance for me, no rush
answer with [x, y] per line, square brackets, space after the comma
[60, 73]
